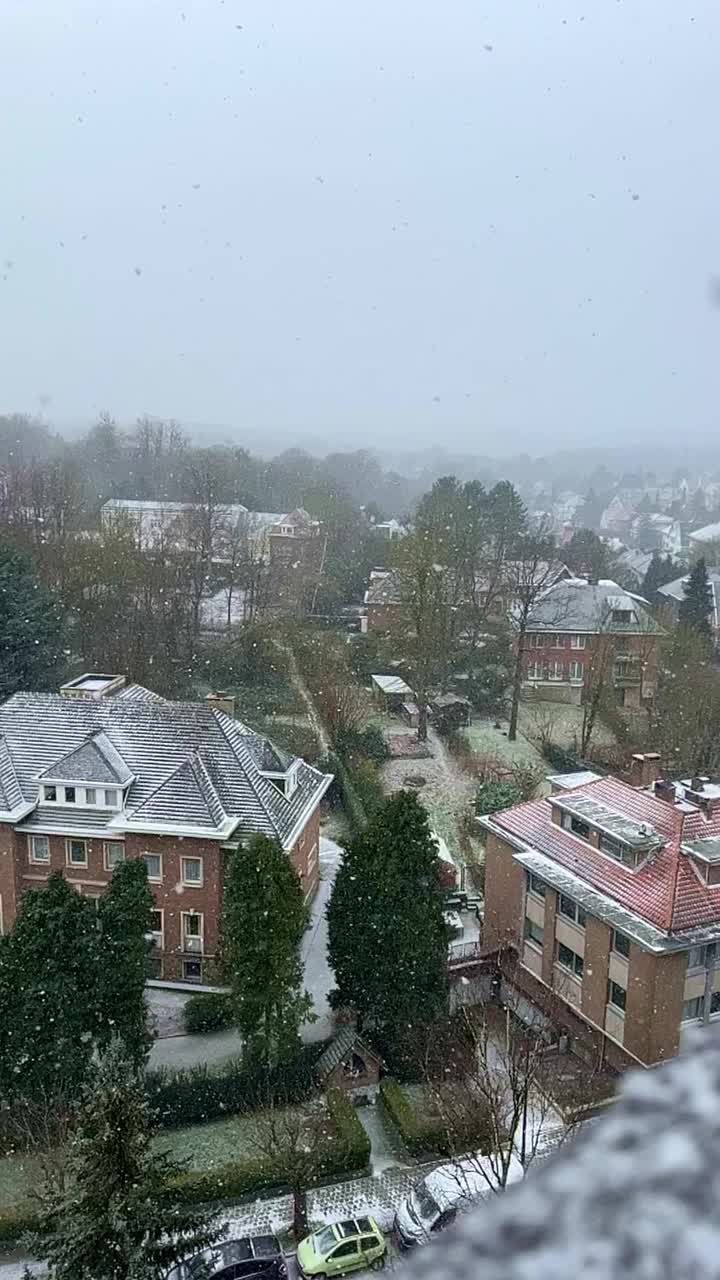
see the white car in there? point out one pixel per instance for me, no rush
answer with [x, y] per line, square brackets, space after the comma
[438, 1197]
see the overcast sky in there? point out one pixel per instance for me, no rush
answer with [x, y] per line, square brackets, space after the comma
[490, 224]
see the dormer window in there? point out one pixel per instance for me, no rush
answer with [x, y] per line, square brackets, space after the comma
[49, 794]
[285, 783]
[606, 830]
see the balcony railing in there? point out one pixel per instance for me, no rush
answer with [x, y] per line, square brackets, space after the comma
[464, 952]
[624, 676]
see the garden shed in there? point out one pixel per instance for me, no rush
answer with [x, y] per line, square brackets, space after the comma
[348, 1063]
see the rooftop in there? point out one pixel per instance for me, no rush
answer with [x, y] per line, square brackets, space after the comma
[665, 891]
[580, 606]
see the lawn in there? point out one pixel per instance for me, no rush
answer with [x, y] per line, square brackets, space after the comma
[202, 1146]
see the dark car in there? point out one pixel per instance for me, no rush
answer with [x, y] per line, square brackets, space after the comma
[252, 1258]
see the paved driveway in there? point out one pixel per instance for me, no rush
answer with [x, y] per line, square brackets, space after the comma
[173, 1049]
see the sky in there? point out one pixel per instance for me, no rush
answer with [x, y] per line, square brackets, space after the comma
[486, 224]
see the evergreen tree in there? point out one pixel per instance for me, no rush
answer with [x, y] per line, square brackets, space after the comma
[119, 1217]
[658, 573]
[48, 992]
[31, 627]
[387, 937]
[696, 608]
[124, 916]
[264, 918]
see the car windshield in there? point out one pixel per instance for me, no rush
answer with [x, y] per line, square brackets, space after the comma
[324, 1240]
[425, 1209]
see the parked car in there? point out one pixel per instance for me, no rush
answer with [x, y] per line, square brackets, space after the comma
[251, 1258]
[343, 1246]
[436, 1199]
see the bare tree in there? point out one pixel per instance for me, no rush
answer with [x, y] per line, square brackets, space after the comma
[293, 1138]
[530, 573]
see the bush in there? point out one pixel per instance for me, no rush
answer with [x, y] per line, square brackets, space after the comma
[368, 742]
[179, 1098]
[429, 1134]
[350, 1133]
[561, 758]
[490, 797]
[296, 739]
[256, 702]
[15, 1221]
[207, 1013]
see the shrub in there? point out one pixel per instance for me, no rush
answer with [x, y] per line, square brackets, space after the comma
[296, 739]
[207, 1013]
[428, 1133]
[561, 758]
[493, 796]
[192, 1096]
[368, 742]
[15, 1221]
[351, 1135]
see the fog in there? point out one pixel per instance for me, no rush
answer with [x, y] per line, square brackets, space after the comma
[489, 226]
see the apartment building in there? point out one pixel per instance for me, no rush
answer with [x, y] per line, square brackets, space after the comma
[104, 771]
[581, 632]
[603, 902]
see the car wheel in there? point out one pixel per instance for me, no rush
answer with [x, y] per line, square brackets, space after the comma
[378, 1264]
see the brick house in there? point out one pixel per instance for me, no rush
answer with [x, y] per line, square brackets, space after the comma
[603, 901]
[581, 632]
[105, 771]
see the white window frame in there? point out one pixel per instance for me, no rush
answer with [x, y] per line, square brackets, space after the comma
[616, 1008]
[286, 530]
[106, 852]
[540, 896]
[91, 791]
[536, 670]
[566, 968]
[198, 960]
[533, 942]
[618, 933]
[576, 670]
[148, 853]
[70, 787]
[577, 642]
[69, 862]
[111, 804]
[192, 884]
[46, 799]
[556, 671]
[43, 862]
[577, 912]
[185, 915]
[161, 931]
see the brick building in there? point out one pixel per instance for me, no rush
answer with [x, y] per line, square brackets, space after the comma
[604, 903]
[105, 771]
[580, 633]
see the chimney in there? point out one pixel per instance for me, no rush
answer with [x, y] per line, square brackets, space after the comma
[644, 768]
[222, 701]
[665, 790]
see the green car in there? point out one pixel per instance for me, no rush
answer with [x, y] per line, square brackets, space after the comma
[343, 1246]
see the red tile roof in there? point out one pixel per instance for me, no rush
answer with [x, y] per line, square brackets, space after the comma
[666, 892]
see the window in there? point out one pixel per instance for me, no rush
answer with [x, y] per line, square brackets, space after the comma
[157, 928]
[192, 970]
[76, 853]
[111, 798]
[536, 886]
[50, 794]
[536, 642]
[39, 849]
[571, 822]
[286, 530]
[617, 850]
[556, 670]
[702, 957]
[576, 670]
[69, 795]
[346, 1250]
[617, 995]
[191, 871]
[535, 671]
[154, 966]
[90, 795]
[114, 854]
[153, 862]
[534, 932]
[569, 908]
[621, 944]
[623, 615]
[692, 1009]
[569, 960]
[192, 931]
[577, 642]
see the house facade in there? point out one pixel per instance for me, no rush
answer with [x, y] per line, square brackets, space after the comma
[603, 901]
[579, 633]
[104, 771]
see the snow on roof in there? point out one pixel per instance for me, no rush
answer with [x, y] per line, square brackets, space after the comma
[568, 781]
[392, 684]
[708, 533]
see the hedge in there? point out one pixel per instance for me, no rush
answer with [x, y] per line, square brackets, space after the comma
[212, 1012]
[198, 1094]
[427, 1134]
[561, 758]
[347, 1152]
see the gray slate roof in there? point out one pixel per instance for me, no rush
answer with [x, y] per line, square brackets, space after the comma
[193, 767]
[579, 606]
[345, 1040]
[95, 761]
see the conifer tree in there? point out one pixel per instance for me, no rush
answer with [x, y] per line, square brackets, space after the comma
[264, 918]
[31, 627]
[124, 917]
[387, 937]
[120, 1216]
[696, 608]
